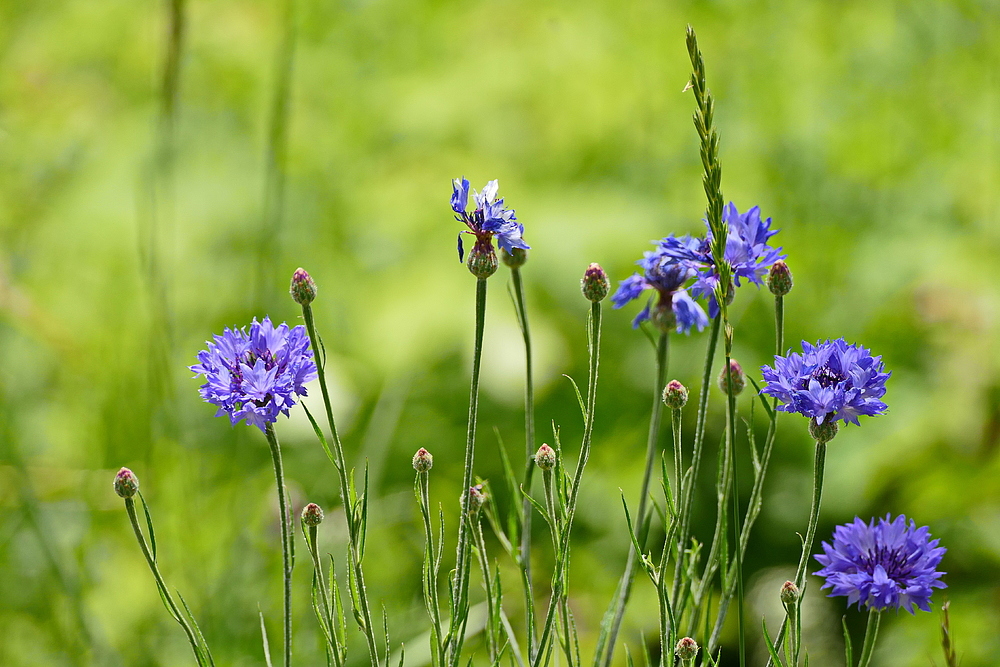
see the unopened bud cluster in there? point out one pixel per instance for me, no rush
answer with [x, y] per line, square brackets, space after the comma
[595, 283]
[738, 379]
[422, 460]
[779, 279]
[545, 457]
[126, 483]
[516, 258]
[303, 289]
[312, 515]
[675, 395]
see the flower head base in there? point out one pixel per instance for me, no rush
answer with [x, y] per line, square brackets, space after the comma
[673, 308]
[885, 565]
[747, 252]
[595, 284]
[828, 381]
[255, 375]
[303, 289]
[488, 219]
[312, 515]
[514, 259]
[422, 460]
[126, 483]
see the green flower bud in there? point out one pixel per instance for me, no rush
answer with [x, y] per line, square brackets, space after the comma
[474, 499]
[303, 289]
[312, 515]
[675, 395]
[545, 457]
[422, 460]
[686, 650]
[739, 381]
[779, 279]
[514, 259]
[789, 593]
[126, 483]
[595, 283]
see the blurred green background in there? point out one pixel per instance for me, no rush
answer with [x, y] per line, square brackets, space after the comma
[159, 185]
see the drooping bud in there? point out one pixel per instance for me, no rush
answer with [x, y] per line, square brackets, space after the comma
[303, 289]
[126, 483]
[824, 432]
[514, 259]
[474, 499]
[686, 650]
[422, 460]
[789, 593]
[312, 515]
[739, 381]
[675, 395]
[545, 457]
[483, 259]
[779, 279]
[595, 283]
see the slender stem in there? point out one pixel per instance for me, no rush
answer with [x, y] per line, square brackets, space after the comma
[871, 633]
[625, 587]
[779, 324]
[326, 623]
[819, 465]
[361, 605]
[731, 435]
[461, 585]
[529, 464]
[430, 565]
[286, 540]
[484, 565]
[164, 591]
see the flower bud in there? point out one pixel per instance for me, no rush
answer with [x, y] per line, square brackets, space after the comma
[595, 283]
[686, 650]
[483, 259]
[824, 432]
[476, 497]
[779, 279]
[516, 258]
[126, 483]
[422, 460]
[303, 289]
[312, 515]
[662, 315]
[739, 381]
[545, 457]
[675, 395]
[789, 593]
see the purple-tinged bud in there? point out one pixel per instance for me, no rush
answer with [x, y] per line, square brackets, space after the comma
[312, 515]
[474, 499]
[422, 460]
[675, 395]
[824, 432]
[516, 258]
[736, 373]
[779, 279]
[483, 259]
[686, 650]
[789, 593]
[545, 457]
[126, 483]
[303, 289]
[595, 283]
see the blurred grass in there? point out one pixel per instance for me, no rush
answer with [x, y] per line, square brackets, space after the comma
[869, 131]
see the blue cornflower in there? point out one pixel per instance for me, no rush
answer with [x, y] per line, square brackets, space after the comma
[255, 374]
[828, 381]
[881, 566]
[667, 276]
[488, 219]
[747, 252]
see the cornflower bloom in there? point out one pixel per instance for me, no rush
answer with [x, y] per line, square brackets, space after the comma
[488, 219]
[828, 381]
[674, 307]
[255, 375]
[747, 252]
[885, 565]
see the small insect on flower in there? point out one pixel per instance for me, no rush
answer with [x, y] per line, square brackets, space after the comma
[829, 381]
[489, 218]
[255, 375]
[882, 565]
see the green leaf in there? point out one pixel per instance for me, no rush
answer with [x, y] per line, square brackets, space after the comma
[319, 434]
[770, 645]
[763, 401]
[579, 397]
[149, 526]
[848, 649]
[263, 633]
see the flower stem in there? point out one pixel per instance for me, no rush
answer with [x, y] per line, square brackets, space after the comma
[460, 590]
[326, 622]
[431, 563]
[731, 435]
[529, 463]
[286, 540]
[625, 585]
[819, 465]
[871, 632]
[164, 591]
[361, 604]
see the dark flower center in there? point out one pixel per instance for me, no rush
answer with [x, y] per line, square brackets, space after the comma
[893, 561]
[825, 376]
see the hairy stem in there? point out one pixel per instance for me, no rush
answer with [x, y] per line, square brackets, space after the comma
[286, 540]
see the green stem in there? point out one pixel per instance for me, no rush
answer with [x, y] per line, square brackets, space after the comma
[529, 463]
[461, 585]
[484, 565]
[326, 622]
[164, 591]
[625, 586]
[430, 565]
[819, 465]
[361, 605]
[871, 632]
[286, 540]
